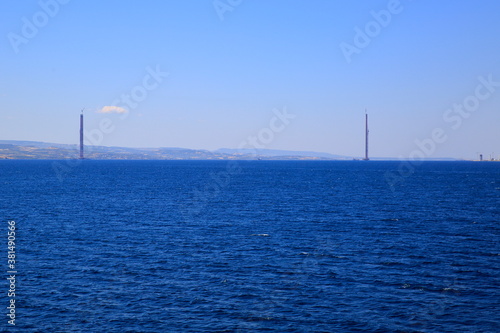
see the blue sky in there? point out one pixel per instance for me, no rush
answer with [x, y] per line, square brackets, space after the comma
[232, 65]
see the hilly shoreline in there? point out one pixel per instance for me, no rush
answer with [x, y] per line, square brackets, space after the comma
[34, 150]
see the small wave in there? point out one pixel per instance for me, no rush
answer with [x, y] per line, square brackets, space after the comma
[260, 235]
[450, 290]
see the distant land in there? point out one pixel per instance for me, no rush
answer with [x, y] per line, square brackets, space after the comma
[34, 150]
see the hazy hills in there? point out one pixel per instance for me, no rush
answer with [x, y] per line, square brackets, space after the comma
[42, 150]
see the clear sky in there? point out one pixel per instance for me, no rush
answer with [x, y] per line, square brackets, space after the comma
[233, 64]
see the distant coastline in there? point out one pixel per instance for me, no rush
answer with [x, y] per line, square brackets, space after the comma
[34, 150]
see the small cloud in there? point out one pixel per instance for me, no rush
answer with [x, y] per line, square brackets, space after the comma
[112, 109]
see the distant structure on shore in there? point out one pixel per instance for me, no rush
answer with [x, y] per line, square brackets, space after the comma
[81, 136]
[482, 158]
[366, 137]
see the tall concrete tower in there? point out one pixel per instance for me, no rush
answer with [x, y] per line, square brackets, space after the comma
[366, 137]
[81, 135]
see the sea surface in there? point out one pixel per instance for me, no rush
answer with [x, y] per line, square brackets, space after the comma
[252, 246]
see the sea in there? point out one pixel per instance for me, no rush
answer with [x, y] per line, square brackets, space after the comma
[250, 246]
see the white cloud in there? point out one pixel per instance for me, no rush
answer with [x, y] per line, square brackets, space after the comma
[112, 109]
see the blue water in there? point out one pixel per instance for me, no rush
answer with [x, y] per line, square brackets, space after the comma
[201, 246]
